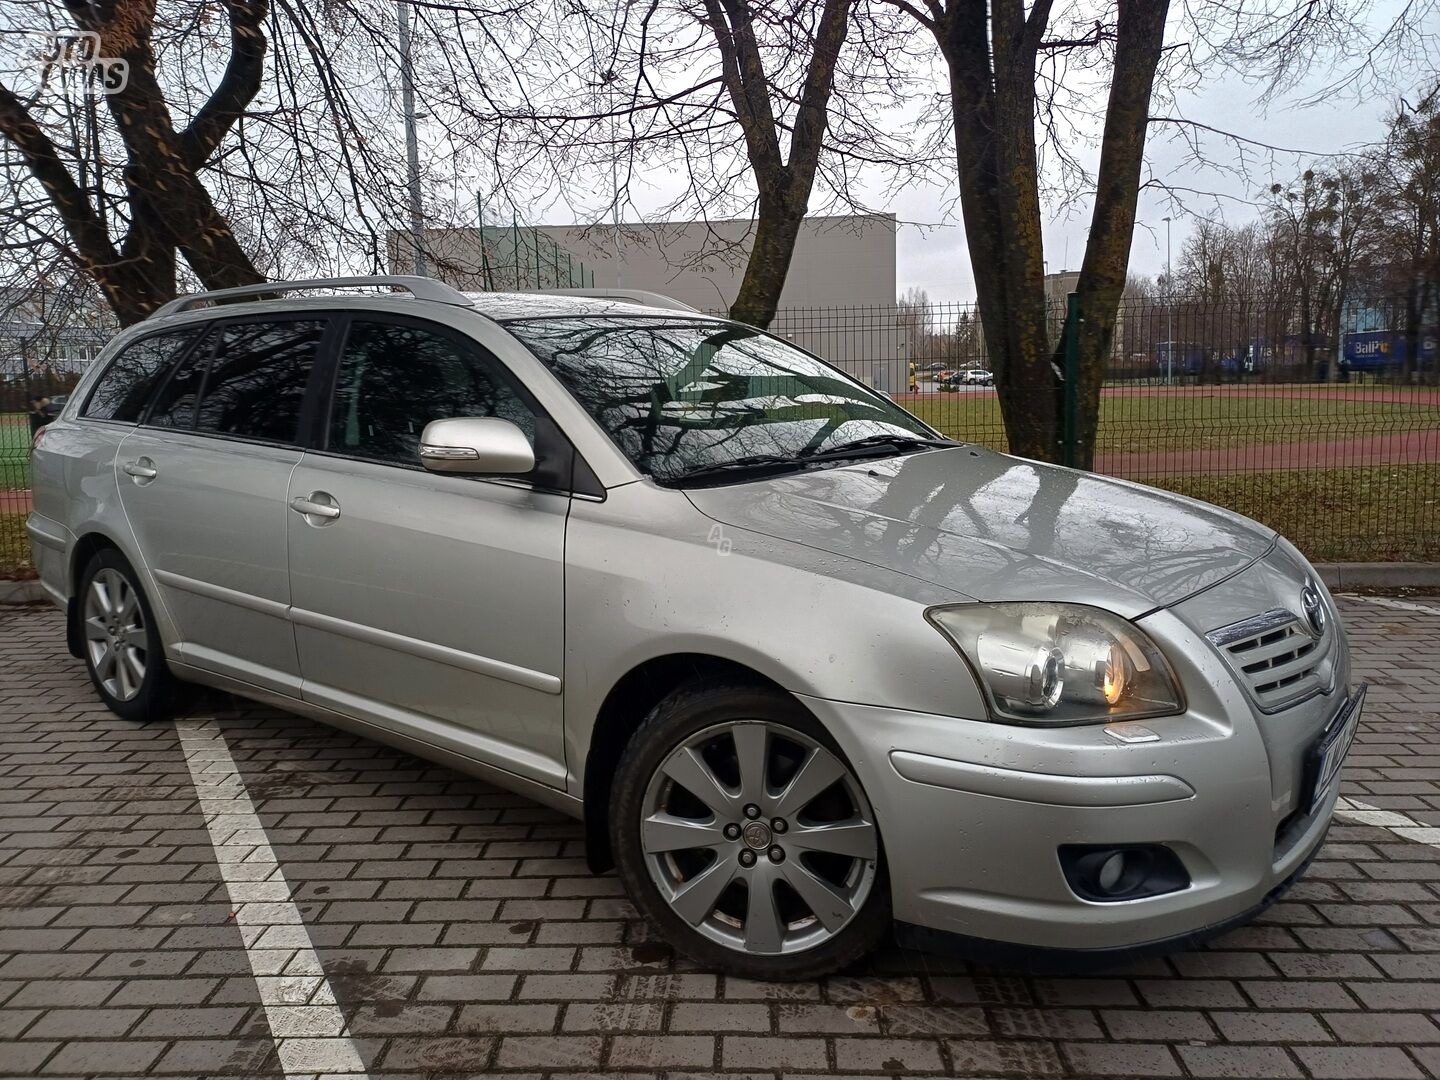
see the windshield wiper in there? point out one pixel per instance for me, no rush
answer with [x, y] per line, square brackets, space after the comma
[753, 465]
[760, 465]
[878, 443]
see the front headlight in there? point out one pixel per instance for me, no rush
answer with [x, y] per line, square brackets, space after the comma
[1060, 663]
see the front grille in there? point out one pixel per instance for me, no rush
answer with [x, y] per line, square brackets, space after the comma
[1278, 657]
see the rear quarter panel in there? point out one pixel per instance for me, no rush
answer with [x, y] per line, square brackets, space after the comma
[73, 483]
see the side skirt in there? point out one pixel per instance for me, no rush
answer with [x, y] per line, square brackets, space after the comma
[558, 800]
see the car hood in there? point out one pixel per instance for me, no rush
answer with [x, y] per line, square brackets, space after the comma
[993, 527]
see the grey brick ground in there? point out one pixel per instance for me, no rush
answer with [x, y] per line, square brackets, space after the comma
[463, 935]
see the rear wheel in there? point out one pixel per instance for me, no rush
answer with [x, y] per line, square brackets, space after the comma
[745, 836]
[121, 644]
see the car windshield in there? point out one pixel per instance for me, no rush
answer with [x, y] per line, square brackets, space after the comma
[682, 395]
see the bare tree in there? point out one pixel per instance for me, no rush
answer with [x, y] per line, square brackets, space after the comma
[1408, 215]
[763, 111]
[994, 51]
[1303, 215]
[1006, 60]
[1355, 208]
[784, 181]
[252, 138]
[166, 206]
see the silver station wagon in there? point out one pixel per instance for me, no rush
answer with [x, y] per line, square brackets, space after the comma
[807, 669]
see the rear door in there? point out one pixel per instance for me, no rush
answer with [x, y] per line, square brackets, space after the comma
[430, 605]
[203, 483]
[74, 484]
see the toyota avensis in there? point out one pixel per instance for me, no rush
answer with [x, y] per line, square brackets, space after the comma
[804, 667]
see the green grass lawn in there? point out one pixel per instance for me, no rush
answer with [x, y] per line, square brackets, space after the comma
[1196, 420]
[14, 547]
[14, 451]
[1372, 513]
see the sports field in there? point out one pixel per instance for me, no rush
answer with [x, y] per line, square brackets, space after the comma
[1156, 420]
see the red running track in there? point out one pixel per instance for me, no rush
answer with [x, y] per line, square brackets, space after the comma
[1402, 448]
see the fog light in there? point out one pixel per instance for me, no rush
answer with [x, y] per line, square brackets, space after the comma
[1110, 871]
[1107, 873]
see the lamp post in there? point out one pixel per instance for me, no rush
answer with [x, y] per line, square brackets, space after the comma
[412, 145]
[1169, 311]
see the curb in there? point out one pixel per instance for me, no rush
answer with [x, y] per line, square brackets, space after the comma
[22, 592]
[1379, 575]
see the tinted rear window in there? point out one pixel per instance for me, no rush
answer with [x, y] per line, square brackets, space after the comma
[174, 405]
[122, 391]
[256, 385]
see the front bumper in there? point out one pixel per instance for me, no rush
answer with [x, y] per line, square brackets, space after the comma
[972, 814]
[1044, 959]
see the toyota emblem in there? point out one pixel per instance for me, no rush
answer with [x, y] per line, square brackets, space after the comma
[1314, 609]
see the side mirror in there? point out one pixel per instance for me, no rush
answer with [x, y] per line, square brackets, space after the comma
[478, 445]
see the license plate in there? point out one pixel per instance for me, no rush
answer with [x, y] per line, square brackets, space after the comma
[1328, 753]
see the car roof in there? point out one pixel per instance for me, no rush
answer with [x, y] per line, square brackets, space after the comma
[505, 306]
[287, 295]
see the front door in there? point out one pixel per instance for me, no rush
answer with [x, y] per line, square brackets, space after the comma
[427, 604]
[203, 483]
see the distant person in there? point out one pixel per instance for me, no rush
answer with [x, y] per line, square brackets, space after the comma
[39, 413]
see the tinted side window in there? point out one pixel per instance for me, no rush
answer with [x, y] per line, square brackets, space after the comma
[126, 385]
[256, 384]
[174, 405]
[393, 380]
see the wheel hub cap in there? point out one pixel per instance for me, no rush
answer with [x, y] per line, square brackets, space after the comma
[114, 627]
[759, 838]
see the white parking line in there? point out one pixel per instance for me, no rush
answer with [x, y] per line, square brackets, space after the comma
[306, 1023]
[1392, 602]
[1399, 824]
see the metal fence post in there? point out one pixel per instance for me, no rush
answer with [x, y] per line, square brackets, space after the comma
[1069, 441]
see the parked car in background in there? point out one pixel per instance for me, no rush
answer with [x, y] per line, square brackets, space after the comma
[805, 667]
[968, 377]
[56, 403]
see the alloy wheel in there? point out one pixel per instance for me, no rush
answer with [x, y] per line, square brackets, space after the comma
[115, 634]
[759, 837]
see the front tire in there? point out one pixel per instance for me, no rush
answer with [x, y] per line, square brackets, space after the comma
[120, 642]
[743, 834]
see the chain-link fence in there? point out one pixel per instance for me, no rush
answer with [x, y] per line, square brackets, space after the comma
[1226, 402]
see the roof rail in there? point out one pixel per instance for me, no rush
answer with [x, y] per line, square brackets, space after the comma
[422, 288]
[643, 297]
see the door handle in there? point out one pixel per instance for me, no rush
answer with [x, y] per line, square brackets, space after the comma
[141, 469]
[312, 506]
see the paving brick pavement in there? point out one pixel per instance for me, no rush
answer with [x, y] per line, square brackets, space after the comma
[460, 932]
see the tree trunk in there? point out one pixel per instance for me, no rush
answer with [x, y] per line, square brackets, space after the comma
[1342, 283]
[1140, 36]
[992, 65]
[776, 229]
[784, 183]
[160, 176]
[1413, 306]
[994, 110]
[1307, 337]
